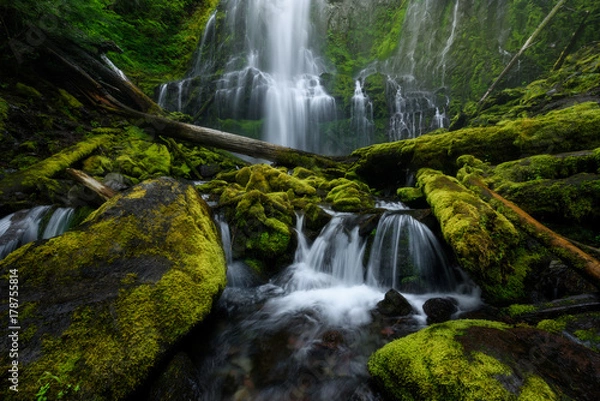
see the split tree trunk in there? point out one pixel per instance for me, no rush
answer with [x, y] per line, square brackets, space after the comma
[588, 266]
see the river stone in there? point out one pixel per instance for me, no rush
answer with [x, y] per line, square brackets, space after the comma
[439, 310]
[394, 304]
[100, 305]
[483, 360]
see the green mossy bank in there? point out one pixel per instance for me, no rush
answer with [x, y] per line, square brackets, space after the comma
[103, 302]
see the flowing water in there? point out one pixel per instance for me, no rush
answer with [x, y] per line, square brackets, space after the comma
[40, 222]
[307, 334]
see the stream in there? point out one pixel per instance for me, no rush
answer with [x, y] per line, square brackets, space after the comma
[307, 333]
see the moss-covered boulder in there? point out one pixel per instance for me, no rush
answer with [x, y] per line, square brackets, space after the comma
[100, 305]
[483, 360]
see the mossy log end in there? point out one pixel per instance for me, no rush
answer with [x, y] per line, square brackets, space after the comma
[572, 255]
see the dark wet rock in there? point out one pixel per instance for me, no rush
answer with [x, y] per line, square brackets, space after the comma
[178, 382]
[394, 304]
[439, 310]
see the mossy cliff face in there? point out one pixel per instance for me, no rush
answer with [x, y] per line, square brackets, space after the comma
[483, 360]
[103, 303]
[484, 242]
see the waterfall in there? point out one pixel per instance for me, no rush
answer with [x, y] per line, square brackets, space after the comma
[270, 72]
[307, 334]
[362, 116]
[277, 75]
[25, 226]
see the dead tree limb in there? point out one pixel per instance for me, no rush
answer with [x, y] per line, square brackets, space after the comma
[588, 266]
[90, 182]
[571, 44]
[527, 44]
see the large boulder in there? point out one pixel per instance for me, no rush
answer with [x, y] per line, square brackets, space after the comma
[484, 360]
[100, 305]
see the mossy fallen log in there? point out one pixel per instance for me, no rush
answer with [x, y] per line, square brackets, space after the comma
[570, 129]
[19, 185]
[484, 241]
[575, 257]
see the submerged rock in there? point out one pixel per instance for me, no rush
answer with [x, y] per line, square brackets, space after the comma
[484, 360]
[394, 304]
[100, 305]
[439, 310]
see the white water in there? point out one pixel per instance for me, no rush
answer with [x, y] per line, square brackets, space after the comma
[25, 226]
[362, 116]
[113, 67]
[308, 333]
[277, 74]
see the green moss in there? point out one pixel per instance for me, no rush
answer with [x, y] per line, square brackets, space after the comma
[3, 115]
[347, 196]
[28, 91]
[535, 389]
[552, 326]
[482, 239]
[69, 100]
[516, 310]
[97, 165]
[409, 195]
[111, 343]
[432, 365]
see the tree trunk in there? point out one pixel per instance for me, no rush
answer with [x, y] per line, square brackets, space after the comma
[231, 142]
[90, 182]
[528, 43]
[585, 264]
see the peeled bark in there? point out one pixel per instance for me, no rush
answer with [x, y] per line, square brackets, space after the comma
[588, 266]
[90, 182]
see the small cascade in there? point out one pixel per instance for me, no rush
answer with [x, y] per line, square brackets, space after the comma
[25, 226]
[406, 256]
[239, 275]
[309, 332]
[113, 67]
[59, 222]
[413, 112]
[362, 116]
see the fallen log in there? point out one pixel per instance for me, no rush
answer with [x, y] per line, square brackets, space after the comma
[224, 140]
[588, 266]
[90, 182]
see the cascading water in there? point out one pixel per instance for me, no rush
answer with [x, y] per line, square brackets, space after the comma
[308, 333]
[280, 77]
[272, 74]
[25, 226]
[362, 116]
